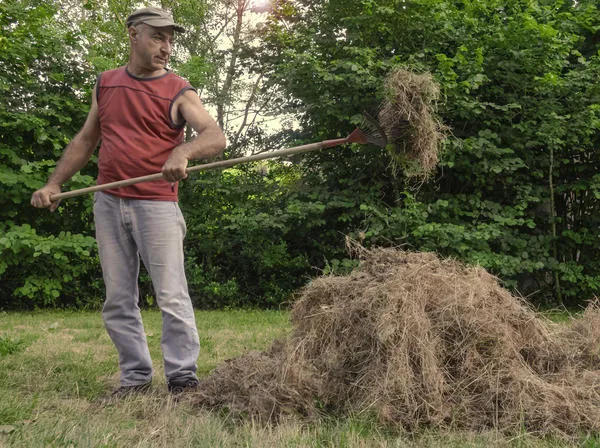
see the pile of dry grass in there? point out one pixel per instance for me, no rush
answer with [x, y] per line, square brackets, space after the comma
[407, 118]
[420, 341]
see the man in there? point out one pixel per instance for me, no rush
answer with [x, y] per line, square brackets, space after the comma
[138, 112]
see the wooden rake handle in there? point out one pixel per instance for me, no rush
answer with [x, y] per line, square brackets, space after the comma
[206, 166]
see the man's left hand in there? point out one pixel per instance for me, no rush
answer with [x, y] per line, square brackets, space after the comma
[174, 168]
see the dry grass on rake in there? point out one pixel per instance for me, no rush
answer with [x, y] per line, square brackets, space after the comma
[420, 341]
[408, 120]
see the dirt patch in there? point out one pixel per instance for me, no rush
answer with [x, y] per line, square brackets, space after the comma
[419, 341]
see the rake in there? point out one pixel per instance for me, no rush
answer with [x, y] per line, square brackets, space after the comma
[405, 125]
[356, 136]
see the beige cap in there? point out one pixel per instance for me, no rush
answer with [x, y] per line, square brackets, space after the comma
[155, 17]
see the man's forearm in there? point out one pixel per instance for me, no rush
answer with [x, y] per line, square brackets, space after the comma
[208, 144]
[76, 155]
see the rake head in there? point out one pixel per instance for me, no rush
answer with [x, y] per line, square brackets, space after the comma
[363, 138]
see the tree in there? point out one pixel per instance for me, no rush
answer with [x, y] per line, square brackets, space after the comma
[40, 109]
[513, 192]
[221, 55]
[516, 191]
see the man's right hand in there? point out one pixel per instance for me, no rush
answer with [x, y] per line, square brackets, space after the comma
[41, 197]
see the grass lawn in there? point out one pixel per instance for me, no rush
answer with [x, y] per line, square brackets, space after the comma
[57, 368]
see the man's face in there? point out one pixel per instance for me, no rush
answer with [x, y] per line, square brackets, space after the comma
[152, 45]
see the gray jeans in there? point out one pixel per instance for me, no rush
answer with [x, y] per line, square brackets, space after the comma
[127, 229]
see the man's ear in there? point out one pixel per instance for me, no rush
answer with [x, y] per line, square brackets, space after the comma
[133, 33]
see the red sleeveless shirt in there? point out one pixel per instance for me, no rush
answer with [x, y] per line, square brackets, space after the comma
[137, 131]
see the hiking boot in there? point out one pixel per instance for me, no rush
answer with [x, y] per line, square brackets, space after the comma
[179, 386]
[127, 391]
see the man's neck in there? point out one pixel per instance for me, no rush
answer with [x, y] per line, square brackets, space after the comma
[141, 72]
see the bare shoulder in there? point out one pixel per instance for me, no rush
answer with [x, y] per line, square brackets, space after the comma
[91, 127]
[189, 98]
[190, 108]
